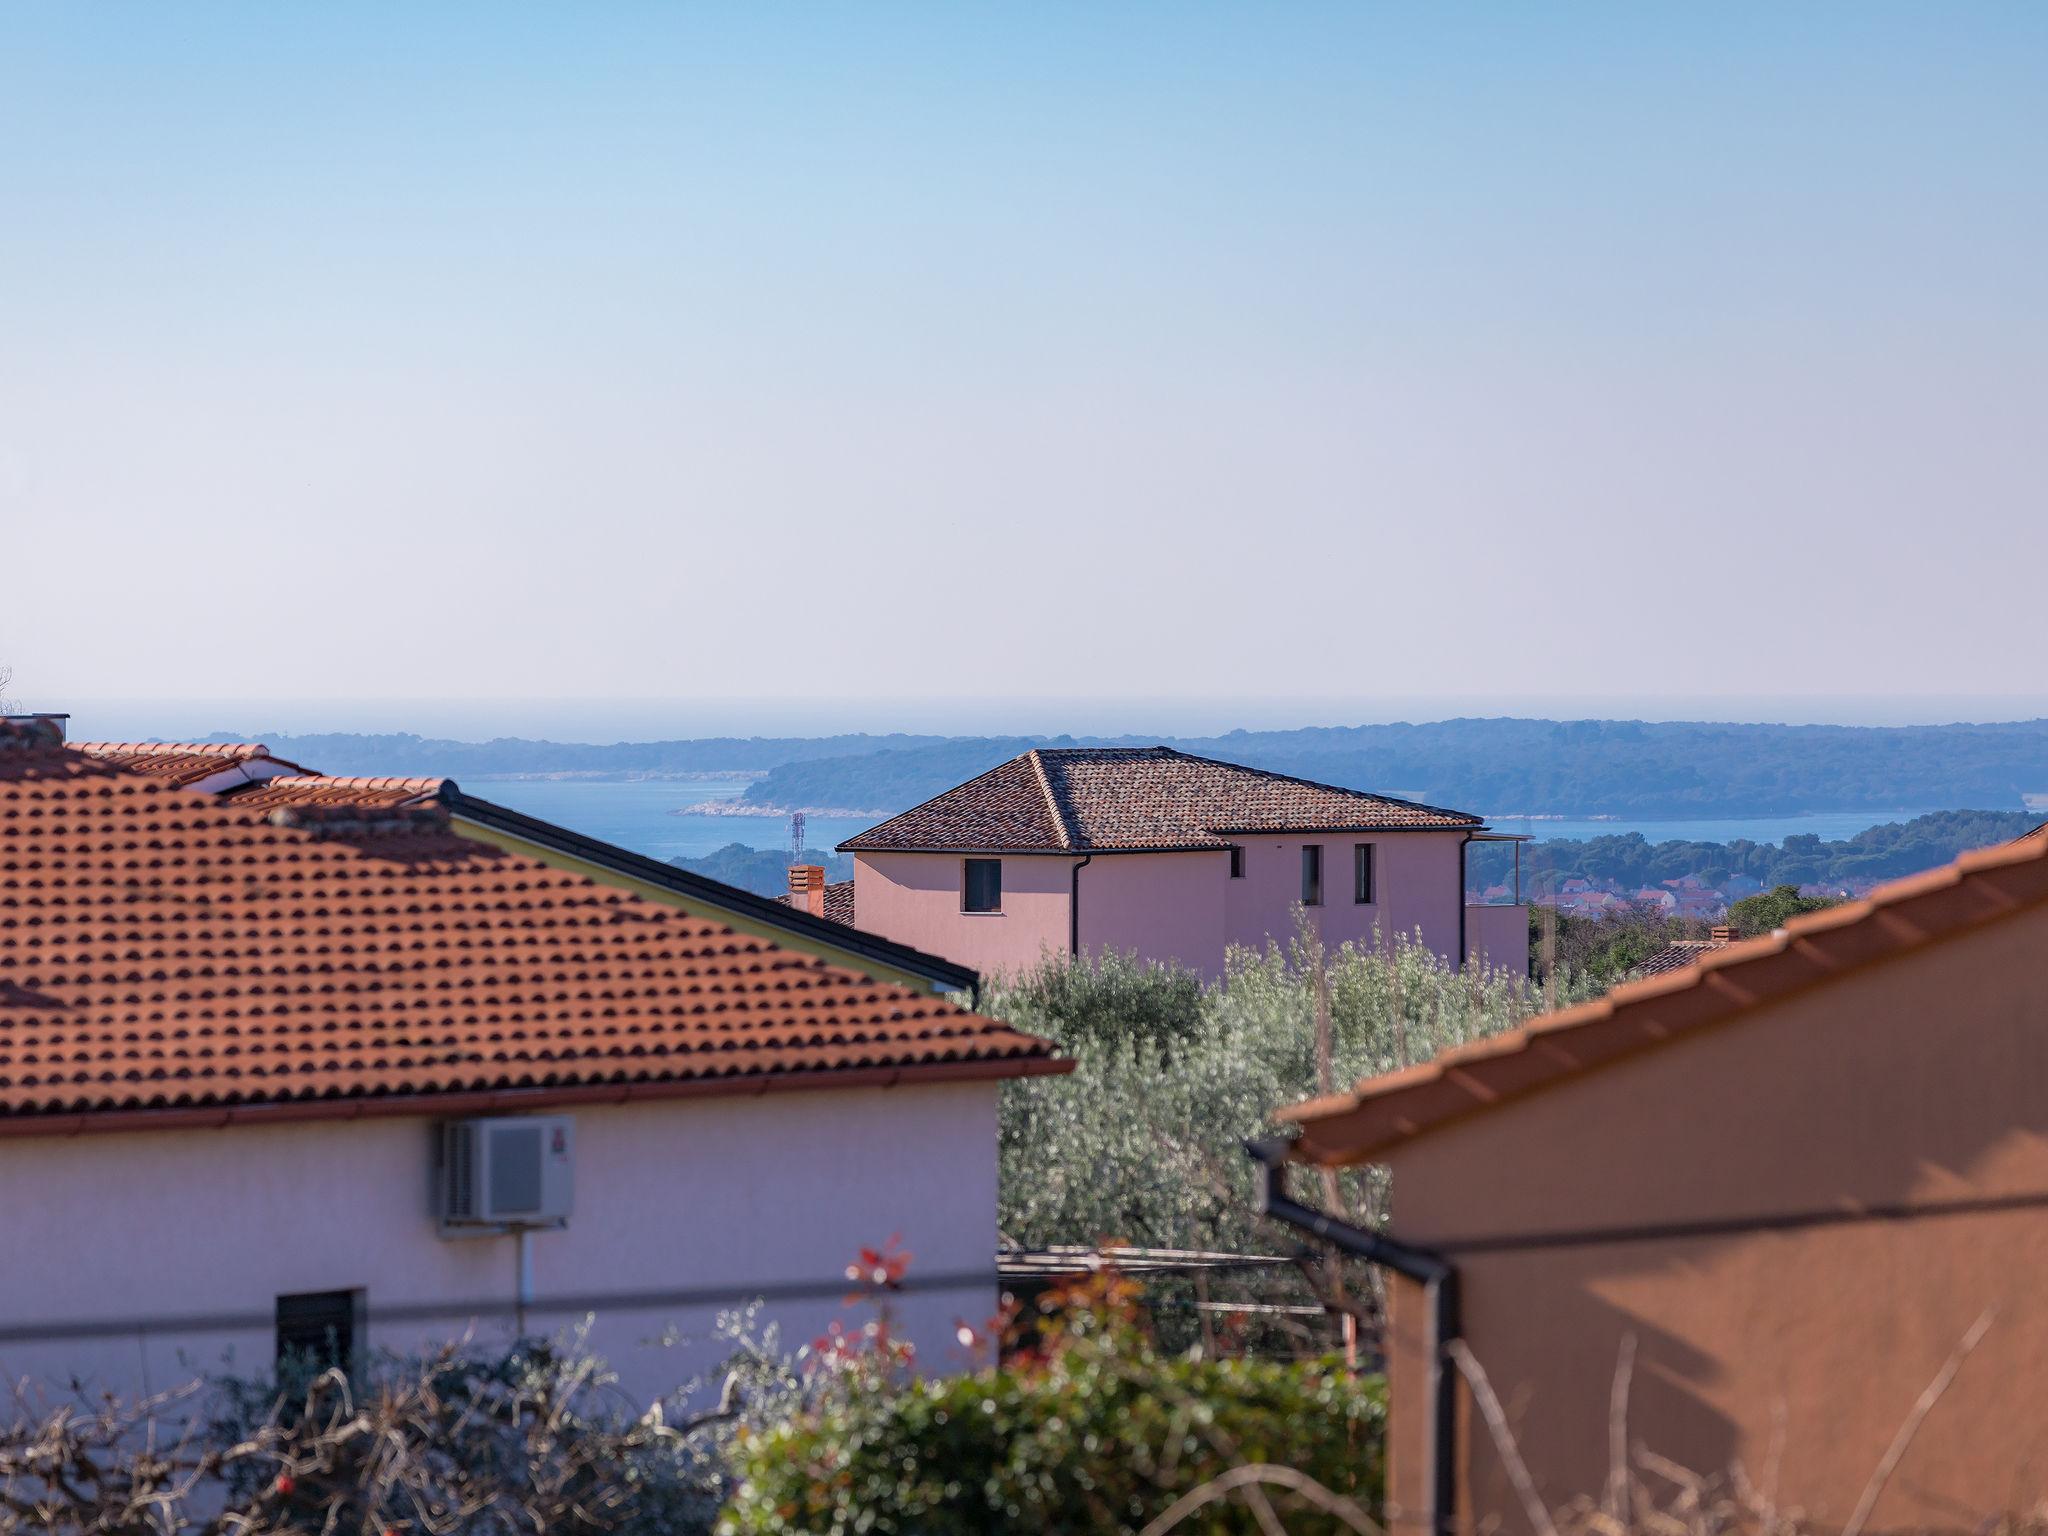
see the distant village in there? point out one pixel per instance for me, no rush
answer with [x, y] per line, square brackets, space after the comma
[1687, 896]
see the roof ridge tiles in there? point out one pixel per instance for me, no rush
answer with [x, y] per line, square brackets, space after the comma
[1052, 800]
[229, 749]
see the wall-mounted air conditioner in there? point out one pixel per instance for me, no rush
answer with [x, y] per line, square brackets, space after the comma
[512, 1172]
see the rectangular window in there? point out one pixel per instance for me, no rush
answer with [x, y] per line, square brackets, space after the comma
[1236, 862]
[319, 1328]
[1311, 875]
[983, 885]
[1361, 857]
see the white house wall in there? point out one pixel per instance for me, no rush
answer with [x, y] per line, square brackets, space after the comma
[106, 1241]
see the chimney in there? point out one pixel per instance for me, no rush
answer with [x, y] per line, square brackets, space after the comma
[807, 888]
[1722, 934]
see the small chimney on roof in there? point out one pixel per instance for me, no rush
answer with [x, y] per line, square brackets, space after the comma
[1721, 934]
[807, 888]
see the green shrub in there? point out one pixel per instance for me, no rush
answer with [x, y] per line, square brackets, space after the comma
[1142, 1142]
[1094, 1429]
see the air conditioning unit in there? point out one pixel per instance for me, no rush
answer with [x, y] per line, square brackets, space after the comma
[511, 1172]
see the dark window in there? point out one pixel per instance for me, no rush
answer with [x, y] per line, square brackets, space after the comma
[984, 885]
[319, 1328]
[1236, 862]
[1361, 857]
[1312, 875]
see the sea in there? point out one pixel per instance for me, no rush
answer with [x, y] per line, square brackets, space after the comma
[642, 814]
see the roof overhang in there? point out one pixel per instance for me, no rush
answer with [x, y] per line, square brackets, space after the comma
[494, 1101]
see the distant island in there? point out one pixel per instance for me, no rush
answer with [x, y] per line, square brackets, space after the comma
[1497, 767]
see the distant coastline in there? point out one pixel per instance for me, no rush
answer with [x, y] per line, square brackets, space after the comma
[750, 808]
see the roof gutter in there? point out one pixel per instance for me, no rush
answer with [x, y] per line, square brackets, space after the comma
[1074, 906]
[712, 893]
[509, 1101]
[1439, 1280]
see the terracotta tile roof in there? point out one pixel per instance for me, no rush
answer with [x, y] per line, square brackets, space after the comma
[838, 902]
[313, 789]
[172, 958]
[1979, 888]
[1676, 956]
[1082, 799]
[182, 762]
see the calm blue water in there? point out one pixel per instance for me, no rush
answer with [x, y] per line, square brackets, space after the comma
[639, 814]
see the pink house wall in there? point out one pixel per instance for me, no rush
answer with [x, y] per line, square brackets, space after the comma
[725, 1196]
[1164, 906]
[1178, 906]
[915, 899]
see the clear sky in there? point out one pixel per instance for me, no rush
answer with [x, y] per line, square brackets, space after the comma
[1186, 352]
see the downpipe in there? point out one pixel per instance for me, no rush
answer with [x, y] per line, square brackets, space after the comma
[1439, 1280]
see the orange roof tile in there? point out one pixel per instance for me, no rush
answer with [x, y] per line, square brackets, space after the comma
[838, 902]
[312, 789]
[173, 957]
[181, 762]
[1723, 982]
[1132, 799]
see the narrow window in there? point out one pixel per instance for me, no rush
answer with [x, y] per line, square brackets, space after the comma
[1362, 874]
[984, 885]
[1311, 875]
[318, 1329]
[1236, 862]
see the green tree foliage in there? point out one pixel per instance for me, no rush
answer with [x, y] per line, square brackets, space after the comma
[1631, 861]
[764, 871]
[1602, 950]
[1143, 1142]
[1094, 1429]
[1769, 909]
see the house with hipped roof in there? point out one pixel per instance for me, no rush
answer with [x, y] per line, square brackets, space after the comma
[316, 1067]
[1070, 851]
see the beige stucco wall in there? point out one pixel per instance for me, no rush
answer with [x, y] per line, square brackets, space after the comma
[1912, 1083]
[730, 1195]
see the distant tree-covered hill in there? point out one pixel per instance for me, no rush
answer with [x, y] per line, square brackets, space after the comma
[1495, 767]
[1631, 861]
[1546, 767]
[765, 871]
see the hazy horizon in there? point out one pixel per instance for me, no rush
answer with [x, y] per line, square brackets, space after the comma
[603, 721]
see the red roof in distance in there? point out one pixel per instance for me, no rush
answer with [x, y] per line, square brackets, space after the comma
[1136, 799]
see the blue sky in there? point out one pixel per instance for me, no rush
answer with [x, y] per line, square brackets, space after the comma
[1093, 352]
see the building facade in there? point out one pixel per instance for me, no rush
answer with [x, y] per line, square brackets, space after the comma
[1774, 1192]
[1172, 857]
[234, 1035]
